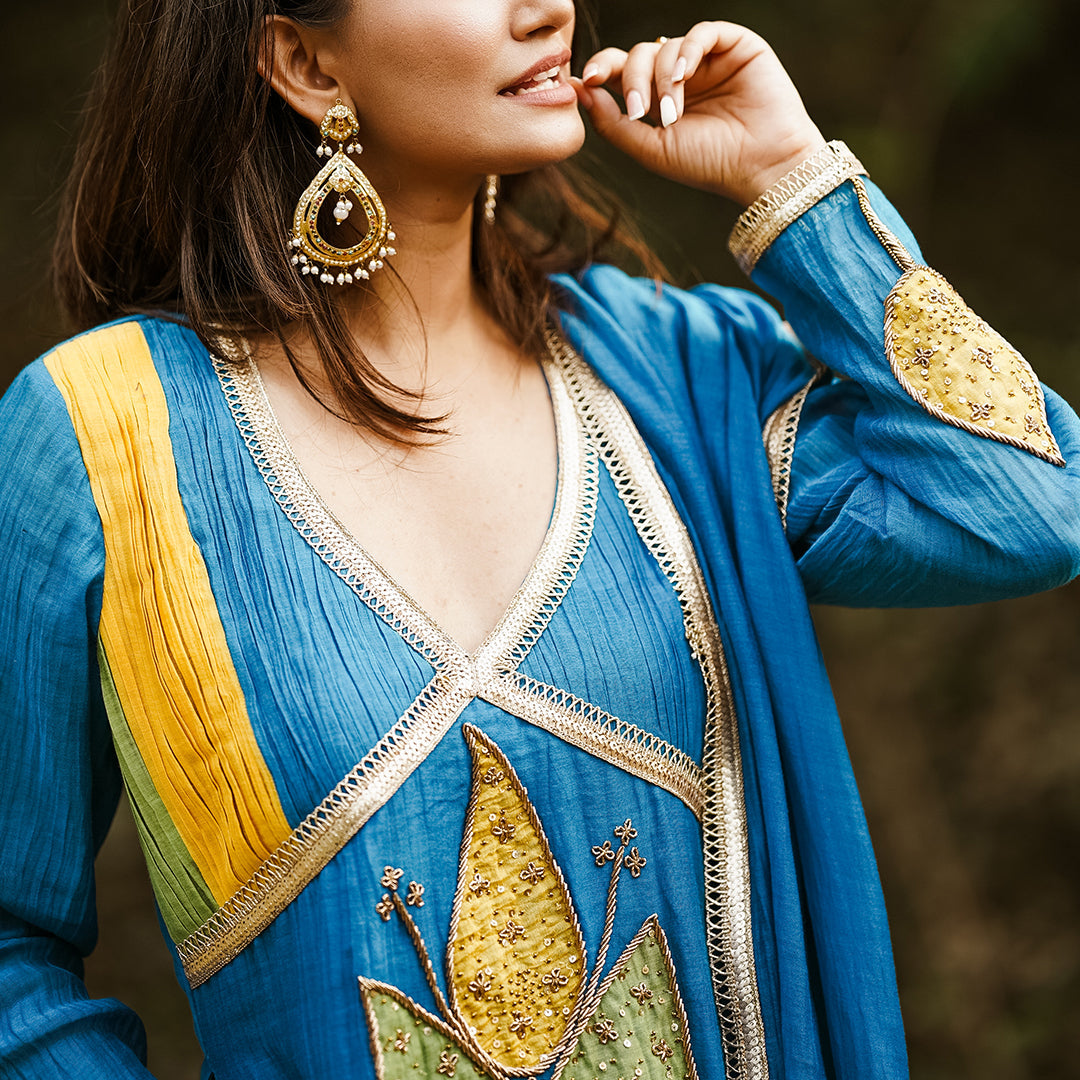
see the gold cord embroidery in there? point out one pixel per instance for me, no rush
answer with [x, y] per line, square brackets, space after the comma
[516, 963]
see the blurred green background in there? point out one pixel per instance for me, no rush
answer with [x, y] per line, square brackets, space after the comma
[962, 723]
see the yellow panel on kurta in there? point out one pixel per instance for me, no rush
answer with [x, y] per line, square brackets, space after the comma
[160, 625]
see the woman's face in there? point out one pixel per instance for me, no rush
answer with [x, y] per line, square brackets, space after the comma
[454, 89]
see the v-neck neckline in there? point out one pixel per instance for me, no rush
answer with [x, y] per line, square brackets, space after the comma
[536, 598]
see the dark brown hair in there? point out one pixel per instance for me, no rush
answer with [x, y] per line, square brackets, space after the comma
[186, 174]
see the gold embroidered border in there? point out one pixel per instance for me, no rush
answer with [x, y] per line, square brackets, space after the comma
[788, 199]
[597, 732]
[563, 550]
[779, 434]
[726, 851]
[314, 520]
[324, 832]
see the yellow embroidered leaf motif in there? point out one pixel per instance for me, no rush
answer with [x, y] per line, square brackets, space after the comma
[408, 1042]
[961, 370]
[639, 1026]
[516, 955]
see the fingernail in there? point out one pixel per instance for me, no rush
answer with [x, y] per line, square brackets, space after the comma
[680, 70]
[590, 72]
[635, 107]
[668, 113]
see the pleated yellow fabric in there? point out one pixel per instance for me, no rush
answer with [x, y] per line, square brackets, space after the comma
[160, 626]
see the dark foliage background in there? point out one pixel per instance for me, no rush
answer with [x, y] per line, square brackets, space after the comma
[962, 723]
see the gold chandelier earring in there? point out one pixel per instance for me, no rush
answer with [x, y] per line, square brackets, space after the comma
[311, 251]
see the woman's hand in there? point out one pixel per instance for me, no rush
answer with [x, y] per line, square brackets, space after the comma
[728, 117]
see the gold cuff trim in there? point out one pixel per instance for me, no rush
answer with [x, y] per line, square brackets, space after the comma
[788, 199]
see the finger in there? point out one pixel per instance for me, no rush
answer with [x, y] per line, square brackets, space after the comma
[639, 141]
[603, 109]
[669, 90]
[637, 79]
[715, 40]
[604, 66]
[691, 52]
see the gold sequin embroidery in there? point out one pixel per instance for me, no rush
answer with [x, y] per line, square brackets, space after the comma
[960, 369]
[520, 997]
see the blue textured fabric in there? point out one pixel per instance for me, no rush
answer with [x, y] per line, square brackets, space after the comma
[889, 506]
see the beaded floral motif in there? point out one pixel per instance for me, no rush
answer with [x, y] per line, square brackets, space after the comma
[958, 368]
[521, 999]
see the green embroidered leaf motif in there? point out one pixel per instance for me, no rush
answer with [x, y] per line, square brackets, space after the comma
[407, 1042]
[638, 1030]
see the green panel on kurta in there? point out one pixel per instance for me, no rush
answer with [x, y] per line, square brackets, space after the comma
[408, 1045]
[638, 1031]
[182, 895]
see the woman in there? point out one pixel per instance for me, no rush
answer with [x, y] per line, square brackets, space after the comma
[514, 544]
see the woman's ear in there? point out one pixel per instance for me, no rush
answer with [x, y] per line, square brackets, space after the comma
[289, 62]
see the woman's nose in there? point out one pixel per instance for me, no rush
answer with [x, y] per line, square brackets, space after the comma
[536, 16]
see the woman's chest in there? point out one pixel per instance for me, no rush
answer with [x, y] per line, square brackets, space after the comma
[271, 687]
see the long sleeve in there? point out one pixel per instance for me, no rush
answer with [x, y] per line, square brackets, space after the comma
[889, 504]
[60, 781]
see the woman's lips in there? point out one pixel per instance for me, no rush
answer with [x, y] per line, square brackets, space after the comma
[543, 80]
[545, 88]
[560, 94]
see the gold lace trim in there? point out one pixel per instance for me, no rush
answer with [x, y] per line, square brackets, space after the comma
[726, 849]
[788, 199]
[597, 732]
[324, 832]
[779, 434]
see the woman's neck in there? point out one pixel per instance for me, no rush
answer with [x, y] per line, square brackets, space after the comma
[423, 320]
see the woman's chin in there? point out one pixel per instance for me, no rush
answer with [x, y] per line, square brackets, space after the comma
[550, 143]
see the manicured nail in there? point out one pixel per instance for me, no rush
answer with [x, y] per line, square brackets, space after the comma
[635, 107]
[680, 70]
[590, 72]
[668, 113]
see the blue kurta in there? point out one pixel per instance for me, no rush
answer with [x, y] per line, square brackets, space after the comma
[598, 701]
